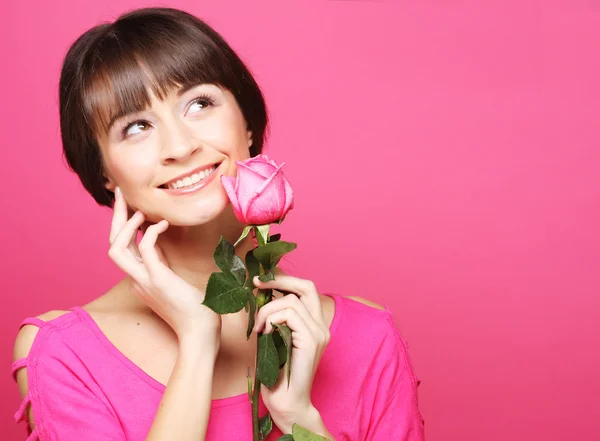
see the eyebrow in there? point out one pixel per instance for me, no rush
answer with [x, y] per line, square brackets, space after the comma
[184, 89]
[116, 117]
[180, 92]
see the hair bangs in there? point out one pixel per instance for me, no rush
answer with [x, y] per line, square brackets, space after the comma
[130, 65]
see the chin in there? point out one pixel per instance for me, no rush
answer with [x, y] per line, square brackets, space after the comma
[198, 212]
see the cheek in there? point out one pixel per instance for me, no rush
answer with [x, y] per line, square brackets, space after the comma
[227, 133]
[239, 143]
[225, 136]
[133, 168]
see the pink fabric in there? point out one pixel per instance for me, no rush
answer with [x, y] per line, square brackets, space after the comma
[81, 387]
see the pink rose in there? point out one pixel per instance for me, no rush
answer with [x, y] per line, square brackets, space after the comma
[260, 193]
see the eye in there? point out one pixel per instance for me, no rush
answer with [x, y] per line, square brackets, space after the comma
[134, 128]
[199, 103]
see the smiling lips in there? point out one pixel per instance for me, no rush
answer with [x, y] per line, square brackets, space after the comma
[190, 178]
[193, 182]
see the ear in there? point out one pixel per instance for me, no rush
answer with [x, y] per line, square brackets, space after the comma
[109, 184]
[250, 140]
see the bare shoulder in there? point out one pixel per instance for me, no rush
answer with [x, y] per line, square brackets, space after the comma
[366, 302]
[22, 346]
[27, 333]
[328, 308]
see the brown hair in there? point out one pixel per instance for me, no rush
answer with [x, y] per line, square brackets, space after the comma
[107, 72]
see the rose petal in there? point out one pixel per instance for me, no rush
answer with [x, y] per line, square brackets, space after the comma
[269, 203]
[265, 169]
[289, 196]
[229, 184]
[262, 210]
[249, 183]
[263, 207]
[264, 158]
[273, 176]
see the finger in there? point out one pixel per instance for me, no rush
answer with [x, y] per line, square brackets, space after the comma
[301, 335]
[148, 248]
[128, 232]
[120, 252]
[279, 304]
[289, 302]
[302, 287]
[302, 339]
[120, 216]
[305, 289]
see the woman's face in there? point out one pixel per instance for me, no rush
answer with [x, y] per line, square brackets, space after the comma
[146, 151]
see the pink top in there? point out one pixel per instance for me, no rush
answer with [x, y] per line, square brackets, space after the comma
[81, 387]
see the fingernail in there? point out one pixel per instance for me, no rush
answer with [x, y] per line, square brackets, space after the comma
[117, 192]
[256, 280]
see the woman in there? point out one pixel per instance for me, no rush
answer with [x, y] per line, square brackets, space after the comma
[145, 101]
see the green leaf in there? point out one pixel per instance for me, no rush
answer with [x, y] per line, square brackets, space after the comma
[286, 437]
[281, 348]
[266, 277]
[265, 425]
[262, 233]
[244, 234]
[228, 261]
[286, 335]
[224, 295]
[268, 361]
[269, 254]
[274, 237]
[253, 266]
[251, 315]
[299, 433]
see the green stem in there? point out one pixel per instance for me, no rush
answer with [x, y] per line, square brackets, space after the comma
[255, 394]
[256, 390]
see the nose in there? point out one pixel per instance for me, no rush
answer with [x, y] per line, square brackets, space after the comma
[177, 142]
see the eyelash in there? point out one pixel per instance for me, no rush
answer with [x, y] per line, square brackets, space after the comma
[199, 98]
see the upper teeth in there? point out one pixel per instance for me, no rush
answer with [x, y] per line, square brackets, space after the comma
[191, 180]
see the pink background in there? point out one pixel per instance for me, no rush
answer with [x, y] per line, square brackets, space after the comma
[445, 160]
